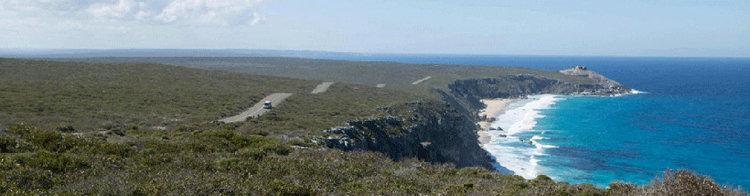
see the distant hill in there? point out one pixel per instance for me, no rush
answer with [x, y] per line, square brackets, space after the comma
[399, 76]
[93, 53]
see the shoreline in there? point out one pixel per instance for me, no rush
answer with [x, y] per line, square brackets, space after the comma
[493, 109]
[519, 150]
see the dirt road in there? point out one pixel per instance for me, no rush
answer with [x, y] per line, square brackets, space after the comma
[322, 88]
[258, 109]
[421, 80]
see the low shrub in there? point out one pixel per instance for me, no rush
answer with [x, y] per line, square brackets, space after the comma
[621, 188]
[236, 164]
[253, 153]
[51, 140]
[28, 179]
[684, 182]
[9, 144]
[20, 128]
[55, 162]
[285, 187]
[121, 150]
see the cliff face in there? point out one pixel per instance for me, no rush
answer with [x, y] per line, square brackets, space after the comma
[433, 132]
[466, 94]
[446, 132]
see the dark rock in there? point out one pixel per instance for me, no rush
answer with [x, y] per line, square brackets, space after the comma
[439, 134]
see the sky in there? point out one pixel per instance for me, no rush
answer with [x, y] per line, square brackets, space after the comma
[683, 28]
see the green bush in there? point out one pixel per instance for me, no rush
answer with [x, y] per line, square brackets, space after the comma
[621, 188]
[53, 141]
[5, 186]
[55, 162]
[153, 160]
[29, 179]
[253, 153]
[121, 150]
[231, 141]
[20, 128]
[7, 162]
[284, 187]
[586, 190]
[236, 164]
[160, 146]
[277, 147]
[543, 178]
[10, 144]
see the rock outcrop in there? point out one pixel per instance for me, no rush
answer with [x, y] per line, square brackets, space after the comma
[465, 95]
[434, 132]
[604, 81]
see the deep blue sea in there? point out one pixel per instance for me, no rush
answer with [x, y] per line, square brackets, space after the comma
[694, 114]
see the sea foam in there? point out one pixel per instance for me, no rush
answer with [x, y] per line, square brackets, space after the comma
[633, 91]
[516, 151]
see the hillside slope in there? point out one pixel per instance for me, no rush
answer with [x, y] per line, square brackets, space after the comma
[100, 134]
[91, 96]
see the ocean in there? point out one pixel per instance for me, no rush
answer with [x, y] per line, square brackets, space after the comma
[691, 113]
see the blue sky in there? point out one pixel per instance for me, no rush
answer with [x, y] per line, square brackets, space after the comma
[529, 27]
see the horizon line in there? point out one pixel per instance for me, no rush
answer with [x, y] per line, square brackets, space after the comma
[361, 53]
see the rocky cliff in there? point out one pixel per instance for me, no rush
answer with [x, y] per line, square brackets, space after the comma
[429, 131]
[446, 132]
[466, 94]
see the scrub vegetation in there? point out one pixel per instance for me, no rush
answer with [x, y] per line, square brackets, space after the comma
[71, 128]
[399, 76]
[86, 97]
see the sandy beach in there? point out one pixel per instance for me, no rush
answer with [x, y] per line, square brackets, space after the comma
[494, 107]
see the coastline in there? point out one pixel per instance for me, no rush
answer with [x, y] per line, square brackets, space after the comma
[515, 140]
[493, 109]
[507, 131]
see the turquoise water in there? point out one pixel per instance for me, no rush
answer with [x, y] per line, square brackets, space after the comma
[695, 115]
[633, 138]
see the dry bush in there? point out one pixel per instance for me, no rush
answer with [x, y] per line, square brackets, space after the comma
[683, 182]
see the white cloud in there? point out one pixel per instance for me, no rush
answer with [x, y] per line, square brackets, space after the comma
[181, 12]
[257, 19]
[122, 10]
[211, 12]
